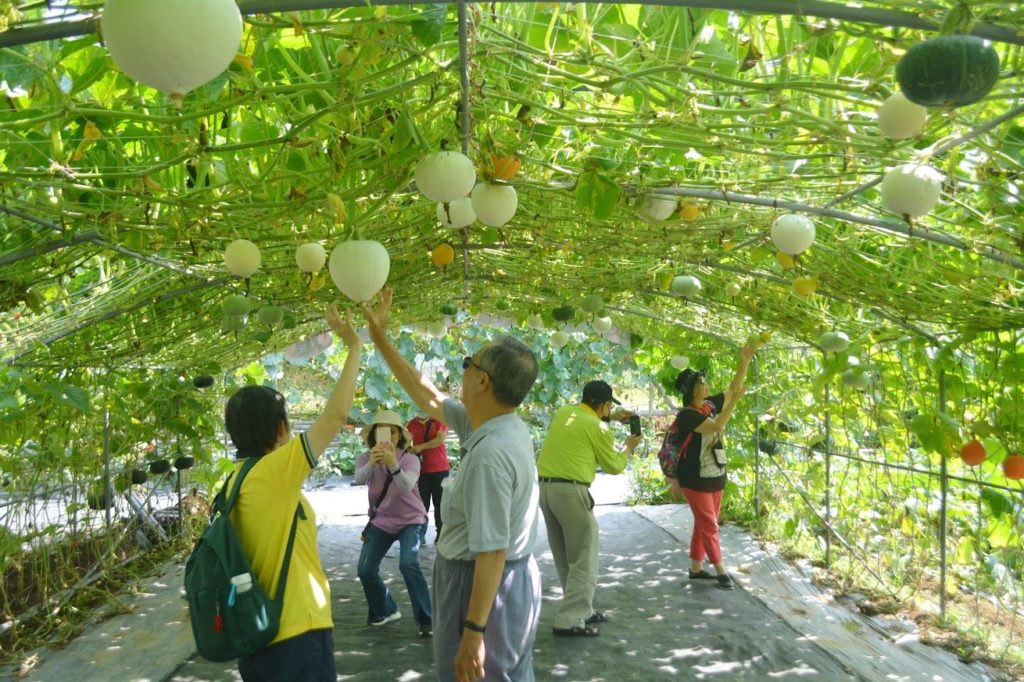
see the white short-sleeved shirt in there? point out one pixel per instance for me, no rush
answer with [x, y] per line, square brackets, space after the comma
[490, 502]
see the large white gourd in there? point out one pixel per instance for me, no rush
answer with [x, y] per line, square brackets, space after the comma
[899, 118]
[732, 289]
[535, 322]
[658, 208]
[911, 190]
[456, 214]
[310, 257]
[445, 176]
[834, 342]
[360, 268]
[793, 234]
[602, 325]
[172, 45]
[494, 204]
[680, 362]
[436, 329]
[685, 285]
[242, 258]
[559, 339]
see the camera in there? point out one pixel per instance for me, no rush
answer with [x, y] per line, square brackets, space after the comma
[634, 425]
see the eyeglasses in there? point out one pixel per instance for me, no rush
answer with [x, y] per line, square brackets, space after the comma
[468, 362]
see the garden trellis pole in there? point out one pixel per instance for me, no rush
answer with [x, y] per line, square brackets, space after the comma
[943, 516]
[828, 474]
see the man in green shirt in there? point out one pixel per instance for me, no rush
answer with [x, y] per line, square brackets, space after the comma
[578, 441]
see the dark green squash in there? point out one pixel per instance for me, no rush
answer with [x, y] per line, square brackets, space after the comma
[948, 71]
[449, 309]
[563, 313]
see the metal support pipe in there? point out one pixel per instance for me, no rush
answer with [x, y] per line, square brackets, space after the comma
[944, 487]
[754, 364]
[467, 134]
[803, 8]
[828, 477]
[108, 490]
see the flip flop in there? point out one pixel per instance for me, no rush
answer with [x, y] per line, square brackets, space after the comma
[576, 631]
[596, 617]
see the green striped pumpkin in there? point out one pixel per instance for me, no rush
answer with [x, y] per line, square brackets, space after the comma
[948, 71]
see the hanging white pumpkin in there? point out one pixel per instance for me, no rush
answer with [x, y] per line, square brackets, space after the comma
[602, 325]
[559, 339]
[456, 214]
[310, 257]
[899, 118]
[680, 362]
[535, 322]
[172, 45]
[592, 304]
[658, 208]
[494, 204]
[445, 176]
[732, 289]
[436, 329]
[793, 234]
[242, 258]
[685, 285]
[834, 342]
[911, 190]
[360, 268]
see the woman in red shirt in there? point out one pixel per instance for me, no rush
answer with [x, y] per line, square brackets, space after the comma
[428, 437]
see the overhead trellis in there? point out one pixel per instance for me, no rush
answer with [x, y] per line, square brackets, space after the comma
[111, 243]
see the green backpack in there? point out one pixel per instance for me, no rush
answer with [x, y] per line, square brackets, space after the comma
[230, 618]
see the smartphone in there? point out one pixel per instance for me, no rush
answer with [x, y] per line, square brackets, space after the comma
[634, 426]
[382, 434]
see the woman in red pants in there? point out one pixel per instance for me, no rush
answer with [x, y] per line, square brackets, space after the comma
[700, 473]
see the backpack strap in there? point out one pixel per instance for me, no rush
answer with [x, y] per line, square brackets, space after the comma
[250, 462]
[705, 410]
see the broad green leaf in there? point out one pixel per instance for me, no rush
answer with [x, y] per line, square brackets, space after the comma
[428, 24]
[596, 194]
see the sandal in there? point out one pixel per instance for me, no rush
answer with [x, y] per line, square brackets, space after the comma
[576, 631]
[702, 575]
[596, 617]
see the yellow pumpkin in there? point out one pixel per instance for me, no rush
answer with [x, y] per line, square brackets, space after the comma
[804, 286]
[442, 255]
[785, 260]
[690, 211]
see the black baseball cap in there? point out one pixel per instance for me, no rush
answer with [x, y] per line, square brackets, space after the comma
[687, 379]
[598, 392]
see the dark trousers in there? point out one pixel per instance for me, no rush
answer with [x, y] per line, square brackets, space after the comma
[430, 487]
[308, 657]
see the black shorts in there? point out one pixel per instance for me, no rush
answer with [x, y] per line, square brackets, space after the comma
[308, 657]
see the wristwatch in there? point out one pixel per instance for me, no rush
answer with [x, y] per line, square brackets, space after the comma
[475, 627]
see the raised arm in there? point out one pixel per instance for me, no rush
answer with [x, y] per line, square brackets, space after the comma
[736, 385]
[335, 412]
[422, 391]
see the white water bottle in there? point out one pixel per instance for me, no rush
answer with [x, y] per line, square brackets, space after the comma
[242, 582]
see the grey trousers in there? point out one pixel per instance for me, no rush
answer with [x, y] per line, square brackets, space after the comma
[568, 512]
[511, 626]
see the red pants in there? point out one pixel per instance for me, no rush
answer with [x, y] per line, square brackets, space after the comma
[705, 508]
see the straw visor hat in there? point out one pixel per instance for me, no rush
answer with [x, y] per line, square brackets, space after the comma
[387, 418]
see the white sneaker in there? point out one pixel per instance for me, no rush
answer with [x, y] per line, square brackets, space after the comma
[393, 616]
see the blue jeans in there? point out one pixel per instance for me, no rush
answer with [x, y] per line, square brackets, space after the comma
[377, 595]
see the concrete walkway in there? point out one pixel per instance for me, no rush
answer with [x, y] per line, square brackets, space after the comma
[777, 625]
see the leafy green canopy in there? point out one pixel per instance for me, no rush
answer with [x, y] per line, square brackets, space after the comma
[117, 207]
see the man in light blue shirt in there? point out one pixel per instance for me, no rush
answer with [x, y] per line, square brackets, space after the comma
[486, 584]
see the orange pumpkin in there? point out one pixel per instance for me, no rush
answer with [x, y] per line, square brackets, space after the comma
[505, 167]
[973, 453]
[1013, 467]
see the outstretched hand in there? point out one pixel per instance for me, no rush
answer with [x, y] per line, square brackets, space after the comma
[377, 316]
[343, 327]
[747, 352]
